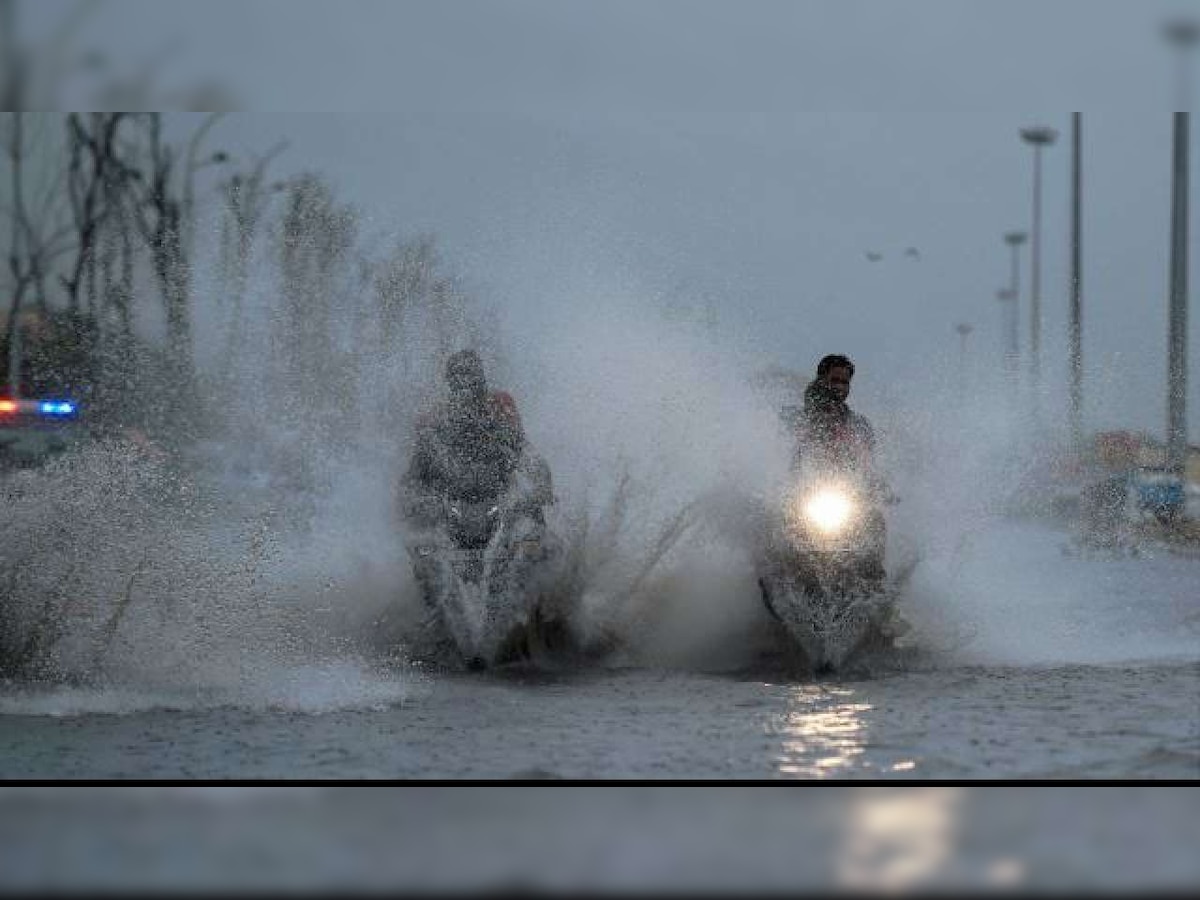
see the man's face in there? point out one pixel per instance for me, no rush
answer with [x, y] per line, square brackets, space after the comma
[838, 381]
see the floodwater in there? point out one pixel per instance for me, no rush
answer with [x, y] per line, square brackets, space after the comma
[1134, 720]
[1060, 667]
[1026, 661]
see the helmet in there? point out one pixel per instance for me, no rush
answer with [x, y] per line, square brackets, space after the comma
[464, 372]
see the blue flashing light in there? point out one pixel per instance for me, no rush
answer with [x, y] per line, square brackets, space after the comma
[57, 408]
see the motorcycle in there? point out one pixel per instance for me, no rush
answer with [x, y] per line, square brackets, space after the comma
[481, 567]
[821, 573]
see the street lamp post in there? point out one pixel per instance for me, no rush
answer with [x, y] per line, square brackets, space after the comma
[1008, 297]
[1183, 36]
[1039, 137]
[1015, 240]
[1076, 326]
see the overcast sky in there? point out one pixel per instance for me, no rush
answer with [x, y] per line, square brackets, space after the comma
[749, 152]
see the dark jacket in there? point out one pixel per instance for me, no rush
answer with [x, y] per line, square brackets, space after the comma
[467, 449]
[826, 425]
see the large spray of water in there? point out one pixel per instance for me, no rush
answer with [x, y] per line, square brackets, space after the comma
[267, 565]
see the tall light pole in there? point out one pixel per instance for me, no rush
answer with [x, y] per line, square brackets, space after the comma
[1039, 137]
[1015, 240]
[1183, 36]
[1075, 332]
[1008, 297]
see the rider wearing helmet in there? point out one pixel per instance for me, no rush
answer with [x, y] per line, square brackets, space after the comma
[473, 442]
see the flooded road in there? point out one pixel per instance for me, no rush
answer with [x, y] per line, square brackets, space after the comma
[1077, 722]
[1061, 668]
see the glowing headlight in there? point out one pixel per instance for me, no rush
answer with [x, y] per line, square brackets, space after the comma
[829, 510]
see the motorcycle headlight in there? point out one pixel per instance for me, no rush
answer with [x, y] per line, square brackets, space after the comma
[829, 510]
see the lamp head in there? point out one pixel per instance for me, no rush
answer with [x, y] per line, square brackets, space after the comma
[1039, 135]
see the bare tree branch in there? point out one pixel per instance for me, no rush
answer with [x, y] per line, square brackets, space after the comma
[92, 191]
[189, 200]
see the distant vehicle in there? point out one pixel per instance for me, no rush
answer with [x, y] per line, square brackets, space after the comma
[1158, 491]
[33, 431]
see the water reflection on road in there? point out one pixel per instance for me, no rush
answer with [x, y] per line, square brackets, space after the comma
[898, 838]
[823, 731]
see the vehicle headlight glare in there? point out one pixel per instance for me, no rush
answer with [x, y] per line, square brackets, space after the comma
[829, 510]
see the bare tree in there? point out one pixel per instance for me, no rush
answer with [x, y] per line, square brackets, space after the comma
[317, 234]
[36, 237]
[118, 285]
[421, 312]
[158, 214]
[401, 282]
[160, 207]
[94, 178]
[193, 164]
[246, 198]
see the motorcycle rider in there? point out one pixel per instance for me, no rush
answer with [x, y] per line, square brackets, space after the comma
[469, 446]
[826, 427]
[473, 442]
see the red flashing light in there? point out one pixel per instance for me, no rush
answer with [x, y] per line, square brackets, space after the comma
[8, 406]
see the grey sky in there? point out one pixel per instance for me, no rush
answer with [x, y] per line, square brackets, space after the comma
[563, 148]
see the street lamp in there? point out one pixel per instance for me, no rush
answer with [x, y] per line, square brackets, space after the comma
[1183, 35]
[1075, 334]
[1039, 137]
[1015, 240]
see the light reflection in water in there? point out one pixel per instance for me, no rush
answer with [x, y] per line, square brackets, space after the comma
[823, 731]
[900, 838]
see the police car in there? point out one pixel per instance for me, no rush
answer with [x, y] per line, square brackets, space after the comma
[35, 430]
